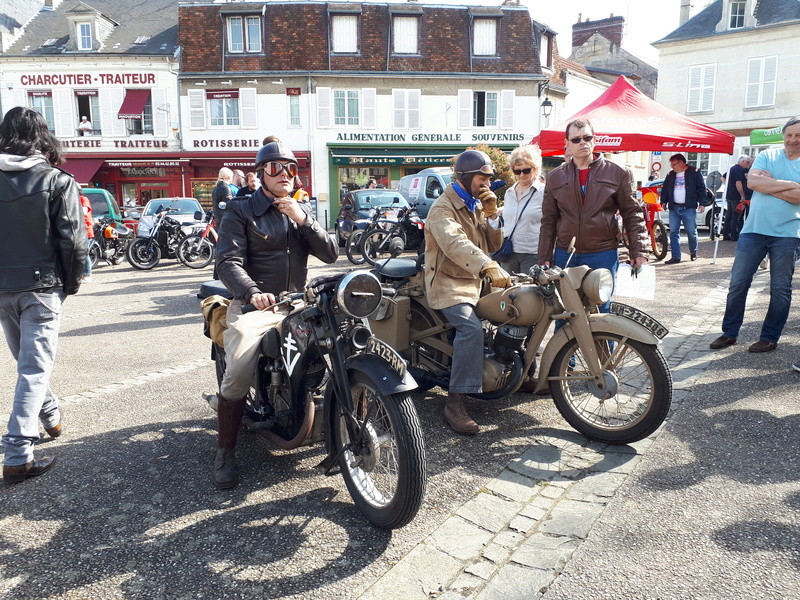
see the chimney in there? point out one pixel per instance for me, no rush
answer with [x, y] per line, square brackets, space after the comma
[610, 28]
[686, 11]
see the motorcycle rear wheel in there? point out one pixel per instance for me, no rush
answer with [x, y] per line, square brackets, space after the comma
[377, 245]
[643, 397]
[353, 248]
[94, 253]
[662, 240]
[386, 475]
[195, 251]
[143, 254]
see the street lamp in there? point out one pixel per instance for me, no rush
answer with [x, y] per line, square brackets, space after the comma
[547, 107]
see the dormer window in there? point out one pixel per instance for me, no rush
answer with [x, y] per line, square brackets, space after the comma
[84, 36]
[737, 12]
[244, 33]
[484, 33]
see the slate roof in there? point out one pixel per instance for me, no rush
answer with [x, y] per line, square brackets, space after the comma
[157, 19]
[15, 13]
[704, 23]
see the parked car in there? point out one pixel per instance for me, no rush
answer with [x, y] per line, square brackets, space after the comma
[187, 211]
[359, 206]
[706, 218]
[103, 204]
[425, 187]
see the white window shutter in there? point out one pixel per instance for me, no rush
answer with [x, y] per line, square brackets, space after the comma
[197, 109]
[323, 107]
[695, 78]
[507, 109]
[770, 80]
[248, 108]
[110, 103]
[464, 109]
[368, 108]
[413, 100]
[399, 109]
[158, 97]
[709, 85]
[64, 113]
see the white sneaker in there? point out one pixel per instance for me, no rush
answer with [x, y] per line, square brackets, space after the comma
[86, 279]
[212, 399]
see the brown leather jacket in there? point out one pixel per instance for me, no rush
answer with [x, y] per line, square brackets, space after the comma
[592, 222]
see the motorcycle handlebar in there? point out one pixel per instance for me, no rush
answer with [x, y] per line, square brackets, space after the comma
[287, 298]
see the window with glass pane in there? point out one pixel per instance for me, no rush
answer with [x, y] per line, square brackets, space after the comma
[698, 160]
[484, 32]
[484, 109]
[253, 34]
[143, 125]
[223, 111]
[43, 104]
[294, 111]
[737, 15]
[405, 35]
[762, 74]
[235, 34]
[344, 30]
[345, 107]
[84, 36]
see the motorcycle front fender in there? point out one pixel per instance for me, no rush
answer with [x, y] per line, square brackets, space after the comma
[599, 323]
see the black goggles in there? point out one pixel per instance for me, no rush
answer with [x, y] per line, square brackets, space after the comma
[585, 138]
[273, 168]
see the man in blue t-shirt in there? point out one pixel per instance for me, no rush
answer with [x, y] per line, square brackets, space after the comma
[772, 228]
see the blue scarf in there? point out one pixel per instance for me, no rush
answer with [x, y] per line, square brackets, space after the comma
[465, 196]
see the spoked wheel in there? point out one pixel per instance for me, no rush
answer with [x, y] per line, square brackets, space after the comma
[144, 253]
[94, 253]
[384, 466]
[380, 244]
[661, 240]
[196, 251]
[353, 248]
[636, 395]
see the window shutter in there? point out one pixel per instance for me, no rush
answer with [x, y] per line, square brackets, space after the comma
[63, 113]
[197, 109]
[413, 101]
[368, 108]
[709, 83]
[464, 109]
[323, 107]
[399, 109]
[160, 111]
[507, 109]
[248, 108]
[110, 103]
[769, 80]
[695, 77]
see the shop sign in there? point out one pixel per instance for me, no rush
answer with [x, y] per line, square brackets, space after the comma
[156, 163]
[221, 94]
[86, 92]
[143, 172]
[60, 79]
[437, 138]
[226, 143]
[392, 160]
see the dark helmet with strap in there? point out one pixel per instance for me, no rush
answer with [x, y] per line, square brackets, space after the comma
[274, 151]
[471, 162]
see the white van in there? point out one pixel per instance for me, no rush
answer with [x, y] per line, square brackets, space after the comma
[425, 187]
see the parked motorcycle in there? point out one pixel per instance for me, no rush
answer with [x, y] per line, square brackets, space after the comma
[163, 238]
[389, 238]
[604, 370]
[110, 241]
[323, 375]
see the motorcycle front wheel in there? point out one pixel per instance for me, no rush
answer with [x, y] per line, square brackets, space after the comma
[195, 251]
[94, 253]
[662, 240]
[353, 248]
[643, 389]
[144, 253]
[384, 469]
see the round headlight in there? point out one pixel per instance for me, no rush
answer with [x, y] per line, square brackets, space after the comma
[359, 293]
[598, 286]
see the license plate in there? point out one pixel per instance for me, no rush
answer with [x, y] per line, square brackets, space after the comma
[640, 317]
[391, 214]
[389, 354]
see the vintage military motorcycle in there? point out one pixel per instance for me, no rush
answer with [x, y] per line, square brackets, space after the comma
[322, 374]
[604, 370]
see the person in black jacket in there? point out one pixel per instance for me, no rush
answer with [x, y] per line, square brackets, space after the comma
[264, 243]
[682, 191]
[43, 248]
[221, 194]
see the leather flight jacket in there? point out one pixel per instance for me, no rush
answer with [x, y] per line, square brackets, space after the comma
[261, 250]
[44, 243]
[220, 193]
[592, 221]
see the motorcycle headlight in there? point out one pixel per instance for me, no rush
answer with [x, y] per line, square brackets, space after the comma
[359, 294]
[598, 285]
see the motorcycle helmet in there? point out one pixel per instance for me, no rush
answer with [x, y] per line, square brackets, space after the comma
[273, 151]
[469, 163]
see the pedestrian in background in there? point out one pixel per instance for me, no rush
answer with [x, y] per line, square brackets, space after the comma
[682, 192]
[251, 185]
[522, 209]
[237, 182]
[736, 191]
[221, 194]
[772, 229]
[86, 205]
[42, 254]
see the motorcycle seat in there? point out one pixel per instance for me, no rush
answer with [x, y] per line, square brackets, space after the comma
[396, 268]
[212, 288]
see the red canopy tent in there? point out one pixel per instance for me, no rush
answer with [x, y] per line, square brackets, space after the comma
[625, 119]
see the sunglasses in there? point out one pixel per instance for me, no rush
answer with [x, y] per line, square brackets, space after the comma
[518, 172]
[585, 138]
[273, 168]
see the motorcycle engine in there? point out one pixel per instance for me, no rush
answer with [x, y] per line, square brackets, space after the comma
[508, 340]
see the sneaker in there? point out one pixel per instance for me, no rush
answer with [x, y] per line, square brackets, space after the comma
[763, 346]
[796, 366]
[672, 261]
[722, 341]
[694, 255]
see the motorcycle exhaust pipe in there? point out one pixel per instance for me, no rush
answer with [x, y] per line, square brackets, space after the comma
[302, 434]
[359, 337]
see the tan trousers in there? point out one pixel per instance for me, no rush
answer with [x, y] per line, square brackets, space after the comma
[242, 341]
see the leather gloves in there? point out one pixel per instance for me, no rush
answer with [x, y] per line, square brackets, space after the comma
[488, 202]
[496, 275]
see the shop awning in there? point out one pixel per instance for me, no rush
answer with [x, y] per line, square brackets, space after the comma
[766, 136]
[83, 169]
[392, 156]
[133, 104]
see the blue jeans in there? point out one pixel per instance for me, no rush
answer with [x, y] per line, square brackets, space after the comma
[606, 259]
[687, 216]
[750, 251]
[466, 370]
[30, 322]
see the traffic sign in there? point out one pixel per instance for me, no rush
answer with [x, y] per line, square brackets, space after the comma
[656, 167]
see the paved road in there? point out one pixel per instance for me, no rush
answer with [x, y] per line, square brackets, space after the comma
[129, 511]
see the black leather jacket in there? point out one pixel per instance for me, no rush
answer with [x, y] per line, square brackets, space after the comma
[694, 184]
[261, 250]
[43, 241]
[220, 193]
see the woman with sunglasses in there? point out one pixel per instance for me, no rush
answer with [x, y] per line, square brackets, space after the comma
[522, 209]
[264, 243]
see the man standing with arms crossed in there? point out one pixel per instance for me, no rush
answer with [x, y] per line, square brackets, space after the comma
[772, 229]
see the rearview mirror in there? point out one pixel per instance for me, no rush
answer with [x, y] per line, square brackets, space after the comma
[198, 215]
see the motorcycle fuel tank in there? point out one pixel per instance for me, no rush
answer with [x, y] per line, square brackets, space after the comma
[517, 305]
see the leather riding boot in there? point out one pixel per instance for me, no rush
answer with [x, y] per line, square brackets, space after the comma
[229, 420]
[455, 414]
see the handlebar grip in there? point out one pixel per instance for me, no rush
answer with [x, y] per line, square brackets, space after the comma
[248, 308]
